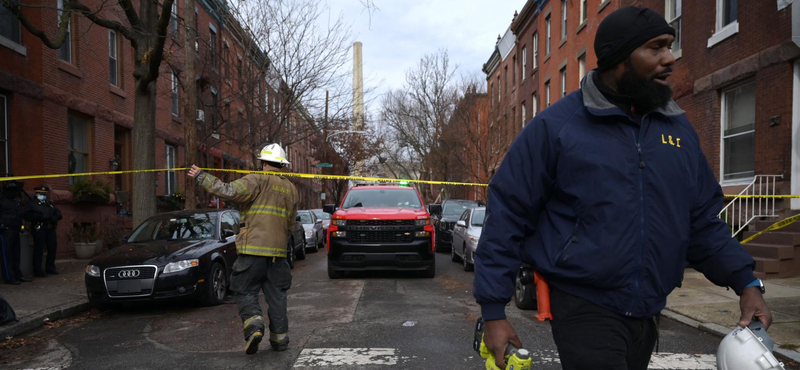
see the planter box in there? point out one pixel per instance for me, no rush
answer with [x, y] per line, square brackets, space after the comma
[84, 250]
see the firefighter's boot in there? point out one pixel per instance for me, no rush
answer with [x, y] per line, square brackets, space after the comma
[279, 342]
[253, 333]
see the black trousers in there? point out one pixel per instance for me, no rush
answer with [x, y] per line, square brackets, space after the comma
[591, 337]
[10, 255]
[43, 238]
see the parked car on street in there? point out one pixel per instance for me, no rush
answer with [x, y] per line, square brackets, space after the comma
[466, 234]
[182, 255]
[381, 227]
[452, 209]
[312, 230]
[296, 243]
[325, 217]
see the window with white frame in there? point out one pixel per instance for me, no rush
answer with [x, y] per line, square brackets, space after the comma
[175, 92]
[536, 50]
[581, 68]
[78, 143]
[564, 82]
[5, 161]
[534, 105]
[673, 15]
[563, 19]
[9, 24]
[65, 51]
[726, 13]
[499, 90]
[491, 93]
[524, 114]
[173, 19]
[547, 94]
[547, 43]
[584, 10]
[524, 62]
[738, 132]
[113, 73]
[172, 179]
[514, 73]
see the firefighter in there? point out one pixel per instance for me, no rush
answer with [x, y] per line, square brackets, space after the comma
[10, 226]
[43, 216]
[269, 209]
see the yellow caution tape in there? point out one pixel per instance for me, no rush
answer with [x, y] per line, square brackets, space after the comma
[286, 174]
[778, 225]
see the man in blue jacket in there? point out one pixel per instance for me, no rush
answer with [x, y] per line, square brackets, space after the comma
[607, 194]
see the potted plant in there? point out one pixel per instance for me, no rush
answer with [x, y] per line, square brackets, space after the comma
[111, 234]
[91, 191]
[84, 236]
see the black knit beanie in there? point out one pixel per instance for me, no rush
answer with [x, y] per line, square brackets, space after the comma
[624, 30]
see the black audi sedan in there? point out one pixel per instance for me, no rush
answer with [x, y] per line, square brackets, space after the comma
[183, 255]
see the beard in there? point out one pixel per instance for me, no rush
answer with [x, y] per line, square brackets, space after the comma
[645, 94]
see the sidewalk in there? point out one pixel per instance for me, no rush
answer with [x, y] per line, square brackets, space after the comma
[698, 303]
[53, 297]
[702, 304]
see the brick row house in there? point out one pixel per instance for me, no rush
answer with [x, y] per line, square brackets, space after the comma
[737, 75]
[71, 110]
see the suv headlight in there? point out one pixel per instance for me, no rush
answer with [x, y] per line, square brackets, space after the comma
[309, 233]
[93, 270]
[339, 222]
[422, 222]
[180, 265]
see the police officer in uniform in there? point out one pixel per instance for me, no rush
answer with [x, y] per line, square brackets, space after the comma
[44, 217]
[10, 225]
[269, 209]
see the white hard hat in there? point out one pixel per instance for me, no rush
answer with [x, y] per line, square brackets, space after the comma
[273, 153]
[747, 348]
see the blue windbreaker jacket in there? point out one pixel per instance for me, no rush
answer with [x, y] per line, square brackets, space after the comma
[605, 209]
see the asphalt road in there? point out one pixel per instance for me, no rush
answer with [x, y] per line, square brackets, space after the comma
[371, 320]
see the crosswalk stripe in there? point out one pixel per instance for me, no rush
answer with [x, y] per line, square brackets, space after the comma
[318, 357]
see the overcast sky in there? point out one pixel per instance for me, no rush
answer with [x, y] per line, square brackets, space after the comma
[402, 31]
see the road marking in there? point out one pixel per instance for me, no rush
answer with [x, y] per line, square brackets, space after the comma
[409, 323]
[318, 357]
[677, 361]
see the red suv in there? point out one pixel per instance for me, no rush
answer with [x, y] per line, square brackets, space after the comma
[381, 227]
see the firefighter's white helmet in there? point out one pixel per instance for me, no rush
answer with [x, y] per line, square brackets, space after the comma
[748, 348]
[273, 153]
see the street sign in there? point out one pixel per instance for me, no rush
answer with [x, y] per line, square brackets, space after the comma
[323, 164]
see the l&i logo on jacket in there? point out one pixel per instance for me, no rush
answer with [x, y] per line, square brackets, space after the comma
[668, 140]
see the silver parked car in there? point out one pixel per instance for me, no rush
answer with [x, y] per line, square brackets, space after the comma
[466, 234]
[314, 233]
[325, 217]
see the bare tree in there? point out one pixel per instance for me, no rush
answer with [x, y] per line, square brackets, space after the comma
[416, 115]
[146, 31]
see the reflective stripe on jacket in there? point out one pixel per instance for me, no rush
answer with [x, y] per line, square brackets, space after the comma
[269, 208]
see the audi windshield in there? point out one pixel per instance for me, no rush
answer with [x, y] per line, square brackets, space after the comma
[456, 208]
[382, 198]
[183, 227]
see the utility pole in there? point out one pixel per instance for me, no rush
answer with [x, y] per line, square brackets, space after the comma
[190, 99]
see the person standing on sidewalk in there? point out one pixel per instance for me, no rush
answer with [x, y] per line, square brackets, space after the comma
[269, 209]
[10, 226]
[43, 216]
[607, 194]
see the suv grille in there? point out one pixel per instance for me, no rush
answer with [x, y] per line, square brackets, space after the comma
[380, 236]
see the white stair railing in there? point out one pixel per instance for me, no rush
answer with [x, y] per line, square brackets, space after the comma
[757, 200]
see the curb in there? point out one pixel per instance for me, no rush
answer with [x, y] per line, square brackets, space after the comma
[722, 331]
[35, 321]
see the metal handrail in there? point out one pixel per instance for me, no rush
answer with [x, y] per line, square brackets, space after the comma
[741, 211]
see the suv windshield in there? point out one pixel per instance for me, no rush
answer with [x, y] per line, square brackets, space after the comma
[305, 217]
[382, 198]
[198, 226]
[457, 208]
[477, 217]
